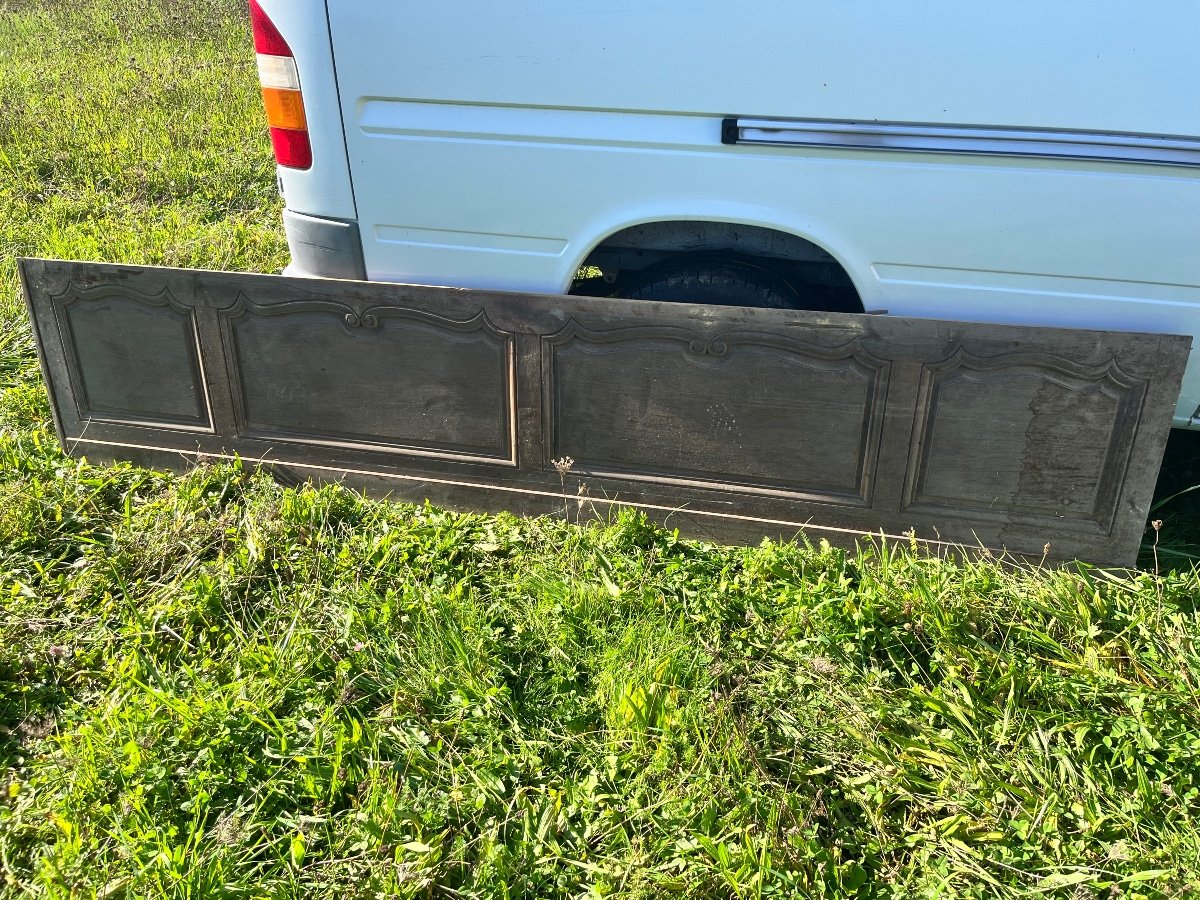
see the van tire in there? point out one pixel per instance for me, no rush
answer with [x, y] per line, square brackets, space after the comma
[714, 281]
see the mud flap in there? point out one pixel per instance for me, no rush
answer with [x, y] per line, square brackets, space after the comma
[727, 423]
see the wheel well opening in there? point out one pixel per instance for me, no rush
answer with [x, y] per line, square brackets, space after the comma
[631, 261]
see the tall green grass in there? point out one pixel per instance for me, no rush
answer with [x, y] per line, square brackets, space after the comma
[215, 686]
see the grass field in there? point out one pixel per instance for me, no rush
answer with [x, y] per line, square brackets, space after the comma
[214, 686]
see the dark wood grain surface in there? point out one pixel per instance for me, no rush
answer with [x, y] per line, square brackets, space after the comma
[729, 423]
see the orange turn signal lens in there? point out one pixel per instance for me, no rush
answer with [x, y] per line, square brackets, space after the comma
[285, 109]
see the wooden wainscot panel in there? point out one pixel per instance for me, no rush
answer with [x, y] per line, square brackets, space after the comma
[730, 423]
[132, 357]
[384, 377]
[1023, 436]
[745, 410]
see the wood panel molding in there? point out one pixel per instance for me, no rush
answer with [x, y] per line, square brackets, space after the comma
[729, 423]
[132, 356]
[323, 372]
[1064, 466]
[759, 413]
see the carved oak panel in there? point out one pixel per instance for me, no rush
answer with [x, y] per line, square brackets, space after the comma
[758, 411]
[728, 423]
[1023, 434]
[132, 356]
[394, 377]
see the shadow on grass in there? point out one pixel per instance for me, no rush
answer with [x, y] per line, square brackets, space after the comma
[29, 710]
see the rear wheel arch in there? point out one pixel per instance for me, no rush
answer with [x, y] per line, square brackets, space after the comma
[629, 259]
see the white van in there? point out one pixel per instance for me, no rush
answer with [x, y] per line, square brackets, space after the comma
[1020, 162]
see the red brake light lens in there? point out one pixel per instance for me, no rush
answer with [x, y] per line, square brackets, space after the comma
[267, 38]
[292, 148]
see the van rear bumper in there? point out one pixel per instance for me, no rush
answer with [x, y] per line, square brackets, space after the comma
[324, 248]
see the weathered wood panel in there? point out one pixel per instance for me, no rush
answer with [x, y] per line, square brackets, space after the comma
[132, 356]
[731, 423]
[669, 405]
[309, 370]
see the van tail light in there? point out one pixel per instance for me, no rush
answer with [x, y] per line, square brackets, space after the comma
[280, 80]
